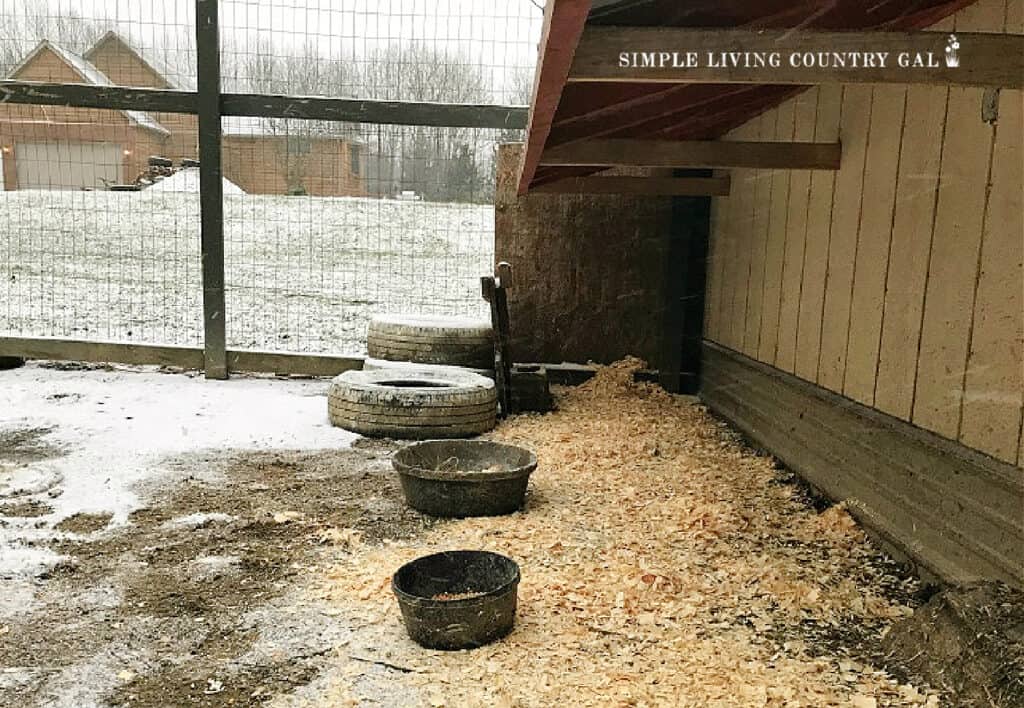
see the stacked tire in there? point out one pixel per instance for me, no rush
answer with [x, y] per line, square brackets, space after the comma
[421, 339]
[413, 404]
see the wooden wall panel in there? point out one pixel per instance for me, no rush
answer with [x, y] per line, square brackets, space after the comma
[719, 212]
[819, 231]
[954, 511]
[908, 253]
[759, 239]
[796, 234]
[740, 228]
[776, 245]
[726, 257]
[993, 384]
[866, 301]
[893, 289]
[896, 281]
[842, 252]
[956, 242]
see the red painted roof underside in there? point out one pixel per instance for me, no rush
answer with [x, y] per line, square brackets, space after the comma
[685, 111]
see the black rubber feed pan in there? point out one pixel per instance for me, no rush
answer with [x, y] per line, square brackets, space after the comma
[458, 478]
[457, 599]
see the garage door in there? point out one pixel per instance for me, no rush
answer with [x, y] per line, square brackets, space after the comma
[67, 165]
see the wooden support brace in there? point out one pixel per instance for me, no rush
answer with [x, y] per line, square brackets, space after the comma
[694, 153]
[673, 186]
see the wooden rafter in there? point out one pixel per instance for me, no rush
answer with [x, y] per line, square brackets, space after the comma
[796, 56]
[694, 153]
[563, 25]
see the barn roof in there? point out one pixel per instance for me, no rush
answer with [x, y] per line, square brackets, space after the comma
[562, 113]
[90, 75]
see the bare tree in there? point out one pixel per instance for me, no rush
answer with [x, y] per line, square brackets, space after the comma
[25, 23]
[439, 163]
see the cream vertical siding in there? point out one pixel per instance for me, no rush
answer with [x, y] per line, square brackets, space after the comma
[897, 280]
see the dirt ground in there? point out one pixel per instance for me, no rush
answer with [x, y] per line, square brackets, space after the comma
[260, 577]
[192, 603]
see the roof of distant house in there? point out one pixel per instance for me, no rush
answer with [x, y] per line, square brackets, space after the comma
[182, 81]
[91, 75]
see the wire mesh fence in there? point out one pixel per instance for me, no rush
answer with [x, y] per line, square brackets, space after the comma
[325, 222]
[81, 261]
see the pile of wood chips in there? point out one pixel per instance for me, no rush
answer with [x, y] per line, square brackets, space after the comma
[662, 564]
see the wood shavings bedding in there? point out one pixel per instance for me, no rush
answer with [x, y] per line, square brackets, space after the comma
[662, 564]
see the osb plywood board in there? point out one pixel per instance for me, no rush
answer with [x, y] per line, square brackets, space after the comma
[588, 270]
[661, 565]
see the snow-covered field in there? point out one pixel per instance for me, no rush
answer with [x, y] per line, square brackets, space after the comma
[302, 273]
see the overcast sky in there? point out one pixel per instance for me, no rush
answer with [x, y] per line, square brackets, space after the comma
[493, 33]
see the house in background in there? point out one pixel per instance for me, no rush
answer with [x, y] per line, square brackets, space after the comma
[57, 147]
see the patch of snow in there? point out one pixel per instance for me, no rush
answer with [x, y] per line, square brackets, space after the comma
[445, 321]
[215, 566]
[217, 561]
[198, 521]
[126, 424]
[122, 434]
[187, 181]
[24, 481]
[18, 559]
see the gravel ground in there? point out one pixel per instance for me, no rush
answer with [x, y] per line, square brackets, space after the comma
[302, 273]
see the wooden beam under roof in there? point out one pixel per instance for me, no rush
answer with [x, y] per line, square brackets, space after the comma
[694, 153]
[797, 56]
[674, 186]
[563, 25]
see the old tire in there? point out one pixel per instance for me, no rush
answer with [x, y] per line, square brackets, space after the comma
[422, 339]
[371, 364]
[414, 404]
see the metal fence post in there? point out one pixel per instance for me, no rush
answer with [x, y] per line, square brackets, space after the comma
[211, 198]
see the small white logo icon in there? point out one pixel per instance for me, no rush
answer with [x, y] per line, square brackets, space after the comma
[952, 55]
